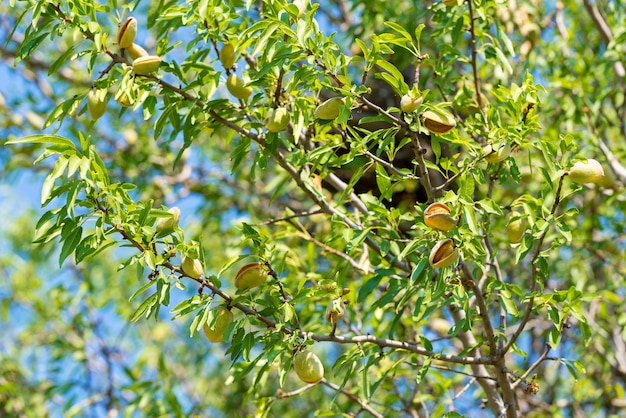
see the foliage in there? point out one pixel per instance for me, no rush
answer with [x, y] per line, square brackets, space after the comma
[331, 205]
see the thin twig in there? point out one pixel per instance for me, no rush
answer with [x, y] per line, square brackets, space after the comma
[289, 217]
[354, 397]
[479, 100]
[541, 359]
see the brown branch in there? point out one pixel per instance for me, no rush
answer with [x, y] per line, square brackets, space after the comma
[509, 398]
[605, 32]
[494, 400]
[421, 164]
[535, 274]
[541, 359]
[473, 46]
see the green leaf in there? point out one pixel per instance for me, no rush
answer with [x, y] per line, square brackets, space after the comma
[43, 139]
[145, 307]
[70, 243]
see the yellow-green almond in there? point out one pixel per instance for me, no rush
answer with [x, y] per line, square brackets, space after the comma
[443, 254]
[278, 120]
[497, 153]
[437, 216]
[237, 87]
[192, 267]
[515, 229]
[589, 171]
[227, 55]
[224, 317]
[96, 103]
[329, 109]
[410, 104]
[124, 100]
[146, 65]
[308, 367]
[335, 311]
[438, 122]
[249, 276]
[167, 225]
[135, 51]
[127, 33]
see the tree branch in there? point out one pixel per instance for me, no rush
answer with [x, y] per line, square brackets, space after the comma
[352, 396]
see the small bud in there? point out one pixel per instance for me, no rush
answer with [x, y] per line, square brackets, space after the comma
[438, 122]
[127, 33]
[590, 171]
[443, 254]
[146, 65]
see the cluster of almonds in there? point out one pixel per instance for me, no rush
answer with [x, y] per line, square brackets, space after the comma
[444, 253]
[249, 276]
[143, 64]
[436, 121]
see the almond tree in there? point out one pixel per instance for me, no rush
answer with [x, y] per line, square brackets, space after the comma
[367, 208]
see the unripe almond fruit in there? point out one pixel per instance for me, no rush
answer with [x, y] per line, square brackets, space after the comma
[167, 225]
[410, 104]
[438, 122]
[124, 100]
[135, 51]
[515, 229]
[437, 216]
[223, 318]
[496, 153]
[237, 87]
[278, 120]
[96, 103]
[308, 367]
[127, 33]
[251, 275]
[330, 109]
[590, 171]
[192, 267]
[227, 56]
[443, 254]
[335, 311]
[146, 65]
